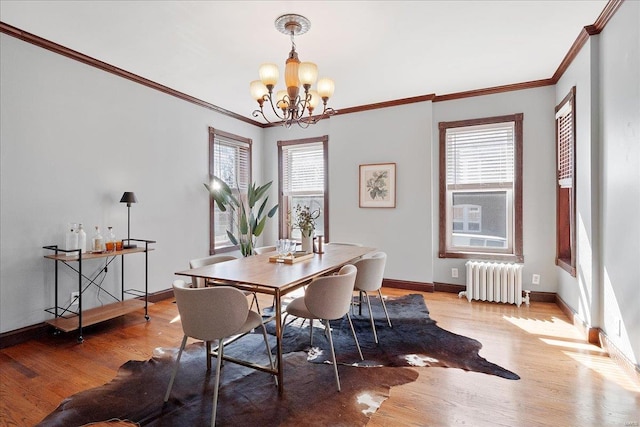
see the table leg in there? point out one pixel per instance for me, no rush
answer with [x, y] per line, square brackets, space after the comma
[278, 309]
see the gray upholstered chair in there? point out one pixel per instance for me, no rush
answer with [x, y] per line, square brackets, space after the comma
[369, 279]
[213, 314]
[199, 282]
[327, 298]
[264, 250]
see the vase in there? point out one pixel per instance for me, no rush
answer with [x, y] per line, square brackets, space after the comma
[307, 241]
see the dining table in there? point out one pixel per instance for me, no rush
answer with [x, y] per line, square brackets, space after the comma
[273, 275]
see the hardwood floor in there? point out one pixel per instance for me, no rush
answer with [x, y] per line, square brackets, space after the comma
[564, 380]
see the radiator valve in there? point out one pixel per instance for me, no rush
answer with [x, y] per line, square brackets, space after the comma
[526, 298]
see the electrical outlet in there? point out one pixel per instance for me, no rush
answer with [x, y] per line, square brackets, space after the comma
[535, 279]
[74, 298]
[454, 272]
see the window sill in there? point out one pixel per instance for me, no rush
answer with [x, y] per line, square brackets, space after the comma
[483, 256]
[565, 264]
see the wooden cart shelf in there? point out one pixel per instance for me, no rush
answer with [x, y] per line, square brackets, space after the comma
[97, 315]
[67, 320]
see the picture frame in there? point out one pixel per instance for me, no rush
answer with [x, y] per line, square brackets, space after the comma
[377, 185]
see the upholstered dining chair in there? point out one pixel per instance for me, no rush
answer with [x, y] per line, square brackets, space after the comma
[264, 249]
[369, 279]
[327, 298]
[199, 282]
[213, 314]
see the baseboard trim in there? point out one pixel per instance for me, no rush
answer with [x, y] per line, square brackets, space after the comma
[533, 296]
[448, 287]
[619, 357]
[408, 285]
[592, 334]
[17, 336]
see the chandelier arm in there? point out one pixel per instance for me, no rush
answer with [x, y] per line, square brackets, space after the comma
[280, 116]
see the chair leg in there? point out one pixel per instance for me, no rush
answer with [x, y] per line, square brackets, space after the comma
[266, 343]
[311, 332]
[333, 354]
[217, 382]
[175, 368]
[385, 308]
[208, 346]
[255, 300]
[353, 331]
[373, 323]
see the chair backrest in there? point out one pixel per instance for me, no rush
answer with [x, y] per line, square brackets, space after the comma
[198, 282]
[370, 271]
[210, 313]
[264, 249]
[329, 297]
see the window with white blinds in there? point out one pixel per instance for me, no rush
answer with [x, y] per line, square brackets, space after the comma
[481, 188]
[564, 124]
[229, 160]
[480, 155]
[303, 169]
[304, 182]
[566, 183]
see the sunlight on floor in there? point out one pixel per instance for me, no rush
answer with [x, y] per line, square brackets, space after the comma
[606, 367]
[555, 327]
[588, 355]
[575, 345]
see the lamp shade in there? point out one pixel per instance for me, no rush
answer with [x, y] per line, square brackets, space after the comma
[128, 197]
[326, 88]
[308, 73]
[258, 90]
[268, 74]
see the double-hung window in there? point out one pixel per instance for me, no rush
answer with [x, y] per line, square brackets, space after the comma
[566, 183]
[229, 160]
[303, 180]
[481, 188]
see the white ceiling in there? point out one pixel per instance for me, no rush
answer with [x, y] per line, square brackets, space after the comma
[376, 51]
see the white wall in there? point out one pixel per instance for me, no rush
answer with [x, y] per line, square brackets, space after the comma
[538, 172]
[619, 190]
[73, 139]
[398, 135]
[606, 74]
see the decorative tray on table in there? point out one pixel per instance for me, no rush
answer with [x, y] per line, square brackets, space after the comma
[291, 258]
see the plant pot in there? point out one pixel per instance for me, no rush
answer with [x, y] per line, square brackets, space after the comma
[307, 241]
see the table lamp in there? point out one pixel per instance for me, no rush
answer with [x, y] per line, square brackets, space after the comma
[128, 197]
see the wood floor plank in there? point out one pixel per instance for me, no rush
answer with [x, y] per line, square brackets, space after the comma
[565, 381]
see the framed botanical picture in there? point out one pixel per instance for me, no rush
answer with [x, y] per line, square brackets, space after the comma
[378, 185]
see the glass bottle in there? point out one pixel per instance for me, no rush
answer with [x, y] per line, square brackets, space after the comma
[71, 238]
[97, 242]
[82, 239]
[110, 240]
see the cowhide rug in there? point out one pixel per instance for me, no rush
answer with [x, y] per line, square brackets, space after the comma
[413, 340]
[249, 397]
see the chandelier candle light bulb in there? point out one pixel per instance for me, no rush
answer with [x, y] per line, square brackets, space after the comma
[289, 105]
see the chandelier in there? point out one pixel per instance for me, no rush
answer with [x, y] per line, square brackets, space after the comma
[289, 105]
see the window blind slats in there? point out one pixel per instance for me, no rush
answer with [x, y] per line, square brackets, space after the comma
[480, 155]
[232, 162]
[303, 168]
[565, 148]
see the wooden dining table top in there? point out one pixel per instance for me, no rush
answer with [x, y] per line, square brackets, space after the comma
[257, 270]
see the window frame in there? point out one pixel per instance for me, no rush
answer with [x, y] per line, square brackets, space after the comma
[283, 228]
[213, 135]
[516, 254]
[566, 209]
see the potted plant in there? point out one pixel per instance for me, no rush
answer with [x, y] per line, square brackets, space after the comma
[305, 221]
[248, 224]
